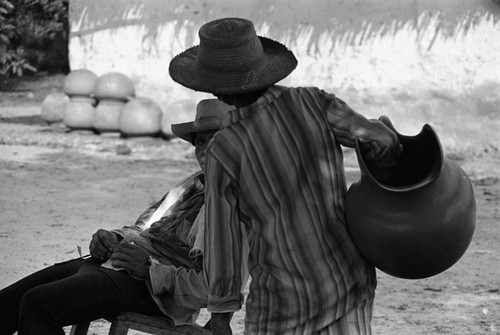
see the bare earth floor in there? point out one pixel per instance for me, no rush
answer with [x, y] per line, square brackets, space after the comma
[57, 188]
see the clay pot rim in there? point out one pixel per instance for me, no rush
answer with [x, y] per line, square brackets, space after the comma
[432, 176]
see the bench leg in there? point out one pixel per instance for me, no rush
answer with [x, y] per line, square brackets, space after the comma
[118, 328]
[80, 329]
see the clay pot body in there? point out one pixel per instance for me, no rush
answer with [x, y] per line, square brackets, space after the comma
[107, 115]
[79, 113]
[140, 117]
[114, 85]
[419, 222]
[80, 82]
[53, 107]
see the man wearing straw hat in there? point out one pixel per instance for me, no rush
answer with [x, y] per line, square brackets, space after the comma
[161, 255]
[277, 166]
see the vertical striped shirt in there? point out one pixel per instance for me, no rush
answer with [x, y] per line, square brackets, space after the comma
[277, 166]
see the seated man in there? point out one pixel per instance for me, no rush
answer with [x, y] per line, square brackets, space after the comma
[147, 268]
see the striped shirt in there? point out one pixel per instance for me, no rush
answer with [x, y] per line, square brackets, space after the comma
[277, 166]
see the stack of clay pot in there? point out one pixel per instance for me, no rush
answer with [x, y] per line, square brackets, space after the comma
[79, 86]
[140, 117]
[104, 104]
[112, 90]
[53, 107]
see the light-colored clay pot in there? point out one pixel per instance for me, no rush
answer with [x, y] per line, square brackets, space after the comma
[80, 82]
[79, 113]
[53, 107]
[114, 85]
[141, 117]
[107, 115]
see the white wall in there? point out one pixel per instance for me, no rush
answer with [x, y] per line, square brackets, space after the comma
[416, 61]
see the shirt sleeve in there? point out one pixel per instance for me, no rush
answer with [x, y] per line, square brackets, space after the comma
[223, 240]
[379, 145]
[187, 286]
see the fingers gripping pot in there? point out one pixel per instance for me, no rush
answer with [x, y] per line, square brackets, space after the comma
[420, 221]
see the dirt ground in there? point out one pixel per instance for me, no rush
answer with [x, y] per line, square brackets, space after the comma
[57, 188]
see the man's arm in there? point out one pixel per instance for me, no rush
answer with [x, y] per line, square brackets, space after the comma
[188, 286]
[378, 143]
[223, 244]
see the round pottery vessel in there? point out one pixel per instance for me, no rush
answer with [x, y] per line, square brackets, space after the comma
[420, 221]
[79, 113]
[80, 82]
[141, 117]
[107, 115]
[114, 85]
[53, 107]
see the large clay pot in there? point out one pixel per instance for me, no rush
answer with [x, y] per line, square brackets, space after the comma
[80, 82]
[419, 222]
[140, 117]
[79, 113]
[107, 115]
[114, 85]
[53, 107]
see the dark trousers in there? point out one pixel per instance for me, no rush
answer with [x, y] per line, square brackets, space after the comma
[73, 292]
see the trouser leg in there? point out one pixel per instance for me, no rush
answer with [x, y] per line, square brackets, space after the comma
[10, 297]
[90, 294]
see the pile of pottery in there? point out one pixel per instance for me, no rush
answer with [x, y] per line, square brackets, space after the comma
[102, 104]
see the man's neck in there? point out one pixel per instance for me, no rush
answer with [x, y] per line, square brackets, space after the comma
[242, 99]
[245, 99]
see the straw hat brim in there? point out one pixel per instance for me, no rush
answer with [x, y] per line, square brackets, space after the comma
[186, 129]
[277, 63]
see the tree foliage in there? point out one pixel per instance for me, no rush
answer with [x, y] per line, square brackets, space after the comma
[27, 25]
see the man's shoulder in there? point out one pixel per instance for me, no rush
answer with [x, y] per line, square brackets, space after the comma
[306, 96]
[310, 90]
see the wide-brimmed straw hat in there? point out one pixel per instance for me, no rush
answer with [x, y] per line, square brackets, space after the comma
[232, 59]
[208, 117]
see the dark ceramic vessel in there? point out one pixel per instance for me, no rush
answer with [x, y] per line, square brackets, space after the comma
[419, 222]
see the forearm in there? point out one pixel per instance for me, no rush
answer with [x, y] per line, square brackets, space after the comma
[183, 283]
[127, 232]
[223, 241]
[378, 144]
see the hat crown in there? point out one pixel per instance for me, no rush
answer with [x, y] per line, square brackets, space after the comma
[211, 109]
[232, 59]
[229, 45]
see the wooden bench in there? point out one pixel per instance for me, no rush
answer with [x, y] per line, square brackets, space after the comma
[145, 323]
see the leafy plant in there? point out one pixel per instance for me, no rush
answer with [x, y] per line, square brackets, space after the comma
[7, 30]
[12, 62]
[27, 30]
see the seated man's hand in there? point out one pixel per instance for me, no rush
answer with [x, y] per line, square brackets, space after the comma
[131, 258]
[103, 241]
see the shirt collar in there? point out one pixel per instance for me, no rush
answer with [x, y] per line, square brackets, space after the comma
[199, 181]
[238, 114]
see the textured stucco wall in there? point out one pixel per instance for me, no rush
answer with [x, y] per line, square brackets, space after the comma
[428, 61]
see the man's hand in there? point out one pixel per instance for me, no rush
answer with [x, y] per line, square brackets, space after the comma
[131, 258]
[102, 243]
[220, 323]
